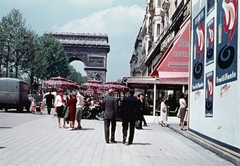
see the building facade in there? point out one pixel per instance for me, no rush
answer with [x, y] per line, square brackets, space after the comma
[213, 62]
[162, 21]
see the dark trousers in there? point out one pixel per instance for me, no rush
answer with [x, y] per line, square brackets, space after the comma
[49, 107]
[140, 124]
[144, 121]
[106, 129]
[125, 125]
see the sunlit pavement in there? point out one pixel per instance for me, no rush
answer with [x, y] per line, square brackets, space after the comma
[41, 142]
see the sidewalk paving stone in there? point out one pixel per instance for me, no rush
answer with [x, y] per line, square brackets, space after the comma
[41, 142]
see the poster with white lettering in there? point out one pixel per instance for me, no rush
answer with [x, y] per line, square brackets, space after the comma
[210, 42]
[227, 34]
[198, 51]
[209, 95]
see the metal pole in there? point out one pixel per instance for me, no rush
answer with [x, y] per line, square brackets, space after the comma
[154, 99]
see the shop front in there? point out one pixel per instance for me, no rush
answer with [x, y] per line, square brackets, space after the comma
[173, 68]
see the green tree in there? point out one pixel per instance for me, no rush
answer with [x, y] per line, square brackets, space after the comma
[28, 65]
[12, 38]
[76, 76]
[51, 58]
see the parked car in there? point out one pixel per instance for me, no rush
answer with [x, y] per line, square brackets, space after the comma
[14, 94]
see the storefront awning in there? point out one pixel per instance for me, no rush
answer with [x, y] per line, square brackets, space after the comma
[173, 66]
[141, 80]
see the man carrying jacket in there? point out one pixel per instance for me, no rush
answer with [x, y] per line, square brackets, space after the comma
[110, 115]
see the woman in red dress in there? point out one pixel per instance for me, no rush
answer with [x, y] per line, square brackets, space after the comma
[72, 109]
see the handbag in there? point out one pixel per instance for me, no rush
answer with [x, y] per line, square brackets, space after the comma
[136, 125]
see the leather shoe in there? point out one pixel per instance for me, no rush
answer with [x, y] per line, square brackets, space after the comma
[107, 142]
[113, 141]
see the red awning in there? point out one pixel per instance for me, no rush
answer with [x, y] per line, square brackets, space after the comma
[173, 66]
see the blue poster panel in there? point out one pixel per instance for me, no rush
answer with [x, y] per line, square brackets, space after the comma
[227, 34]
[210, 42]
[198, 51]
[210, 6]
[209, 95]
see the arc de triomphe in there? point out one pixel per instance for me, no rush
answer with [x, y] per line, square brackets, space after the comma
[91, 49]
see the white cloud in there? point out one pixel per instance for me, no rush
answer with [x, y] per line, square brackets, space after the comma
[115, 20]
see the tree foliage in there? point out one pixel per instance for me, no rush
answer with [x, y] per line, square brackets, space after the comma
[24, 53]
[12, 37]
[76, 76]
[51, 58]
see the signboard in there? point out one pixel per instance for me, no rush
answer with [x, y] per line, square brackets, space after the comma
[198, 51]
[210, 42]
[227, 41]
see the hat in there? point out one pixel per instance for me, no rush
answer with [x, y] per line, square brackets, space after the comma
[131, 91]
[60, 90]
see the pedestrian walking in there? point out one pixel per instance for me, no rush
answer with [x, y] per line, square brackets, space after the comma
[163, 116]
[39, 101]
[79, 106]
[140, 112]
[110, 115]
[182, 109]
[59, 104]
[128, 116]
[71, 103]
[49, 101]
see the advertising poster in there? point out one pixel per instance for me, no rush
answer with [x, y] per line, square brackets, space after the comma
[227, 34]
[210, 6]
[210, 42]
[209, 95]
[198, 51]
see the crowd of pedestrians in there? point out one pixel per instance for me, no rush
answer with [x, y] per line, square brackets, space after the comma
[71, 108]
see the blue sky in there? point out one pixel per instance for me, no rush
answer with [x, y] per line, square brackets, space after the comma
[119, 19]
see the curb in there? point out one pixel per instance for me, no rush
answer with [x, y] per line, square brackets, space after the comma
[221, 153]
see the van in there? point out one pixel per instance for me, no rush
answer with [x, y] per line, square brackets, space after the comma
[14, 94]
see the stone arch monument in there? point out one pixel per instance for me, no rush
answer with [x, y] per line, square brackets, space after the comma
[91, 49]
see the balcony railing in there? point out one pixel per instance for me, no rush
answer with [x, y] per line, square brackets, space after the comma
[177, 11]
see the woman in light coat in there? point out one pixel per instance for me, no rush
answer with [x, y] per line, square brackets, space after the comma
[163, 116]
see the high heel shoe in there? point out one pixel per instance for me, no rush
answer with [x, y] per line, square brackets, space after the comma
[183, 129]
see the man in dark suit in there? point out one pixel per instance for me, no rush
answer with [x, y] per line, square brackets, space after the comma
[49, 101]
[110, 115]
[141, 110]
[128, 115]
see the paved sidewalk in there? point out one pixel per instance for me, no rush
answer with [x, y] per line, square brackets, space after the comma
[41, 142]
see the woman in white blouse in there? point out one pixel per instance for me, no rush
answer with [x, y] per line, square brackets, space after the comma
[59, 104]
